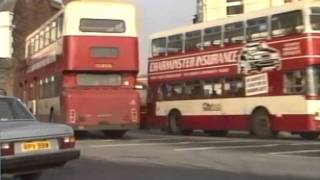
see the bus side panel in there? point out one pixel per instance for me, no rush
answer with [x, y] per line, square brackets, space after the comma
[296, 123]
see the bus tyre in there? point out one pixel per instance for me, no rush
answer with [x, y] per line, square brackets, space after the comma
[261, 124]
[115, 134]
[31, 176]
[175, 121]
[219, 133]
[80, 134]
[310, 135]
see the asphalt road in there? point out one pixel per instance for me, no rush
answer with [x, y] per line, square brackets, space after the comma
[153, 155]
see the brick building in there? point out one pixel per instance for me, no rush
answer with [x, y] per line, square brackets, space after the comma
[28, 15]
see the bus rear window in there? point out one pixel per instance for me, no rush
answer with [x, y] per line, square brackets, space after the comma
[99, 79]
[102, 25]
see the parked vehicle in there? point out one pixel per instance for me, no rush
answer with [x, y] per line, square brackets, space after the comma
[29, 146]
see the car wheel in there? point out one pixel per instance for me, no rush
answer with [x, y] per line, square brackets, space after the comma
[31, 176]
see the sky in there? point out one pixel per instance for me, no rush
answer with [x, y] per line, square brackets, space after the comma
[155, 16]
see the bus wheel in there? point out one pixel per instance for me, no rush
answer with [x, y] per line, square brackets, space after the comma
[309, 135]
[186, 132]
[175, 118]
[261, 125]
[217, 133]
[80, 134]
[31, 176]
[115, 134]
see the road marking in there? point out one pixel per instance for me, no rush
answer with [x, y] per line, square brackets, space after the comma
[158, 139]
[293, 152]
[134, 144]
[225, 147]
[164, 143]
[307, 143]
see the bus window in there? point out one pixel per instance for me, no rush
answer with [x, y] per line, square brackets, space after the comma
[30, 48]
[36, 44]
[86, 79]
[257, 28]
[193, 40]
[102, 25]
[159, 46]
[47, 36]
[234, 87]
[287, 23]
[295, 82]
[234, 33]
[175, 44]
[212, 36]
[315, 18]
[41, 40]
[59, 26]
[53, 32]
[194, 89]
[213, 88]
[177, 90]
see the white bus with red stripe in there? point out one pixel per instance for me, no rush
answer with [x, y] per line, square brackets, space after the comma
[81, 68]
[258, 72]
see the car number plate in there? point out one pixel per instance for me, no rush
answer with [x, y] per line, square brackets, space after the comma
[36, 146]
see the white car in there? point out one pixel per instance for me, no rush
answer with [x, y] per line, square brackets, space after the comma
[29, 146]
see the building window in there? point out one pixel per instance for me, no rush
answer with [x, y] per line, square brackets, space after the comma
[235, 7]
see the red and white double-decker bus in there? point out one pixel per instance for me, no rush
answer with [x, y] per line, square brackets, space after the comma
[258, 72]
[81, 68]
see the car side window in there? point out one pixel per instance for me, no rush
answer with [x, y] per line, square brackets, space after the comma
[5, 111]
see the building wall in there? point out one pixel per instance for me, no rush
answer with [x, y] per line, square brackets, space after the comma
[216, 9]
[28, 16]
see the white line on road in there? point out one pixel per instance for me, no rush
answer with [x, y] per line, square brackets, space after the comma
[134, 144]
[293, 152]
[307, 143]
[164, 143]
[225, 147]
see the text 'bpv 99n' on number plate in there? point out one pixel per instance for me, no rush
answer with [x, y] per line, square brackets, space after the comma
[36, 146]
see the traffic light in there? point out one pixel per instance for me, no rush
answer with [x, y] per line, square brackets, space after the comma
[6, 36]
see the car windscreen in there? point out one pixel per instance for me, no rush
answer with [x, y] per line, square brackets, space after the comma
[12, 109]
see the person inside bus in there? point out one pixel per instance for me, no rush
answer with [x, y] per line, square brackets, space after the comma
[198, 91]
[300, 82]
